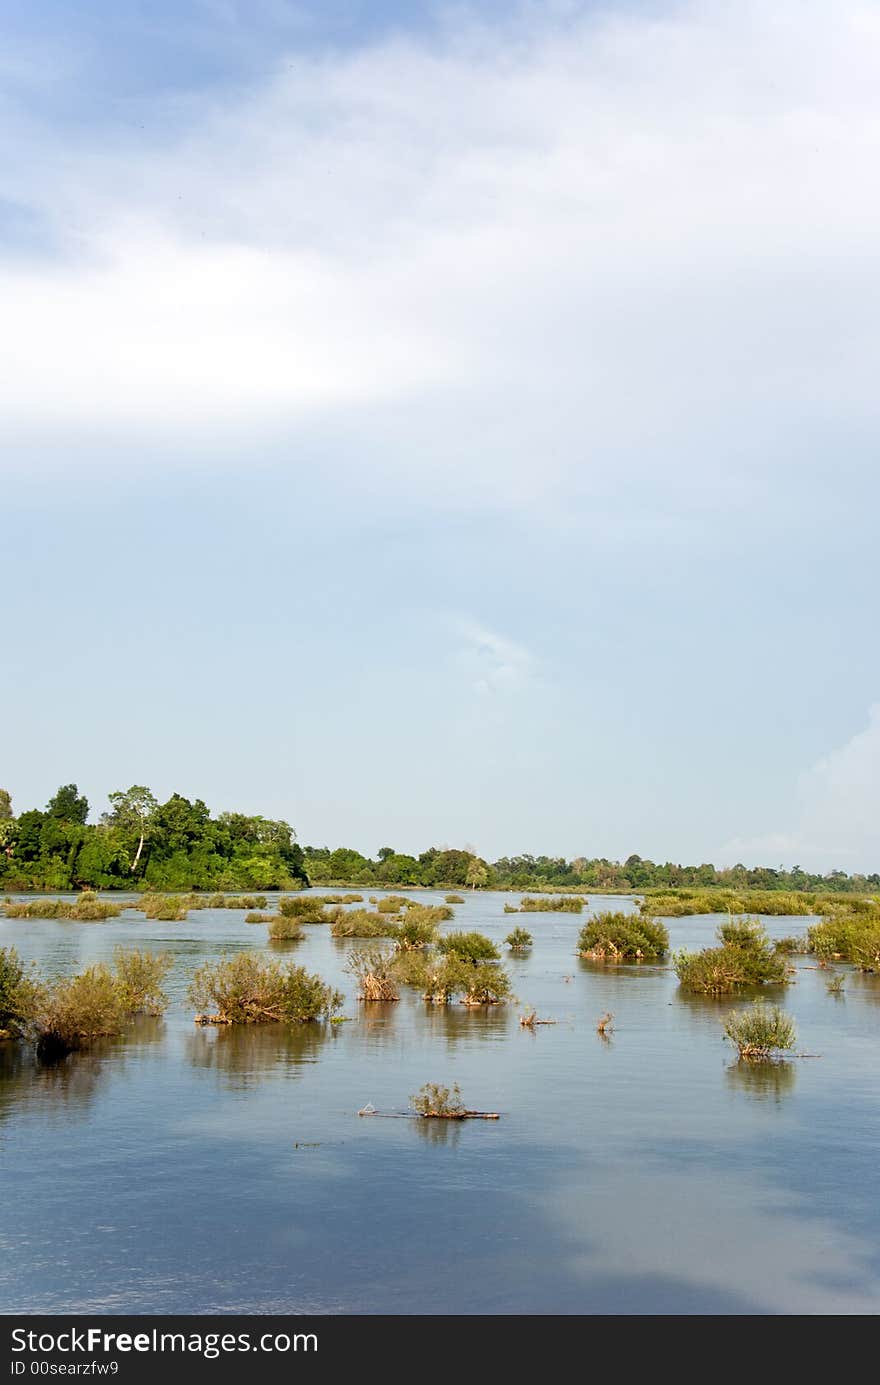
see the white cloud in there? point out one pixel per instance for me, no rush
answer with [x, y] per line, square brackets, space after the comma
[494, 663]
[836, 815]
[530, 255]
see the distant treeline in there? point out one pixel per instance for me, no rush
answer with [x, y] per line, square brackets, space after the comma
[177, 845]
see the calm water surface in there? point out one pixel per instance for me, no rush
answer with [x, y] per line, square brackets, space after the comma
[191, 1170]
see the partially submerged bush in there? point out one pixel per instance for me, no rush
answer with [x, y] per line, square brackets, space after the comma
[620, 937]
[363, 923]
[19, 994]
[854, 938]
[790, 945]
[434, 1100]
[745, 958]
[455, 899]
[511, 909]
[139, 976]
[308, 908]
[417, 929]
[681, 903]
[166, 908]
[445, 978]
[393, 903]
[489, 985]
[519, 939]
[760, 1031]
[551, 904]
[87, 908]
[283, 929]
[256, 917]
[374, 969]
[471, 947]
[78, 1009]
[245, 989]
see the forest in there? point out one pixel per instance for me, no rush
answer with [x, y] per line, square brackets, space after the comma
[140, 843]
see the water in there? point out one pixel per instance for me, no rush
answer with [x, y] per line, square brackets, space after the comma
[191, 1170]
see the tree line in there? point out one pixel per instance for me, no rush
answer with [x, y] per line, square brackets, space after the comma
[178, 845]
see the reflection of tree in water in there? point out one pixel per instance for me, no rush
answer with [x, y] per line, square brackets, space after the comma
[864, 985]
[454, 1024]
[73, 1080]
[769, 1081]
[246, 1051]
[439, 1132]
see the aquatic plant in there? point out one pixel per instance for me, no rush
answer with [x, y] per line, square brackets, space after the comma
[418, 928]
[256, 917]
[489, 984]
[519, 939]
[849, 938]
[308, 908]
[393, 903]
[138, 977]
[19, 994]
[285, 929]
[86, 908]
[434, 1100]
[511, 909]
[471, 947]
[78, 1009]
[746, 957]
[682, 903]
[445, 978]
[792, 944]
[245, 989]
[363, 923]
[551, 904]
[620, 937]
[834, 985]
[373, 967]
[455, 899]
[760, 1031]
[166, 908]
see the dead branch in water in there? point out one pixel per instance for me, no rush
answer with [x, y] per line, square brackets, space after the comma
[530, 1019]
[604, 1025]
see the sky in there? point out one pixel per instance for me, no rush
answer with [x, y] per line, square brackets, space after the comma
[445, 423]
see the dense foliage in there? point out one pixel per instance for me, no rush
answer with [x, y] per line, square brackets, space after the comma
[178, 845]
[760, 1031]
[623, 938]
[746, 957]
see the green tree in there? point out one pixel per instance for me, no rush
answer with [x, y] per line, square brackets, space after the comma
[132, 811]
[68, 805]
[5, 805]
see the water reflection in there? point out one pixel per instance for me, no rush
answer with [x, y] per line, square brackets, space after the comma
[243, 1053]
[456, 1024]
[762, 1081]
[73, 1080]
[435, 1132]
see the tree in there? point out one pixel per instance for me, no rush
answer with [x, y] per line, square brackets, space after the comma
[68, 805]
[385, 851]
[132, 811]
[5, 805]
[477, 874]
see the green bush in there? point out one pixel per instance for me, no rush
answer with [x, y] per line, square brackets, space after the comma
[417, 929]
[551, 904]
[256, 917]
[519, 939]
[411, 968]
[139, 977]
[849, 938]
[489, 985]
[620, 937]
[283, 929]
[447, 977]
[363, 923]
[78, 1009]
[245, 989]
[682, 903]
[455, 899]
[745, 958]
[309, 908]
[471, 947]
[511, 909]
[19, 995]
[87, 908]
[166, 908]
[437, 1101]
[760, 1031]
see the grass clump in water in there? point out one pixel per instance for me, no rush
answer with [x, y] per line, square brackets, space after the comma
[166, 908]
[519, 939]
[363, 923]
[455, 899]
[87, 908]
[854, 938]
[619, 937]
[256, 917]
[245, 989]
[283, 929]
[307, 908]
[551, 904]
[746, 957]
[444, 1103]
[393, 903]
[374, 969]
[78, 1009]
[760, 1031]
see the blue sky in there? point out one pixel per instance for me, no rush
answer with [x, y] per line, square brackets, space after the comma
[447, 424]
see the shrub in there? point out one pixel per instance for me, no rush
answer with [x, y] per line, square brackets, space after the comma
[623, 937]
[139, 977]
[511, 909]
[417, 929]
[489, 985]
[256, 917]
[854, 938]
[834, 985]
[519, 939]
[362, 923]
[681, 903]
[245, 989]
[760, 1031]
[470, 947]
[446, 977]
[411, 968]
[434, 1100]
[352, 899]
[167, 908]
[19, 995]
[455, 899]
[88, 908]
[373, 968]
[791, 944]
[308, 908]
[78, 1009]
[552, 904]
[746, 957]
[393, 903]
[283, 929]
